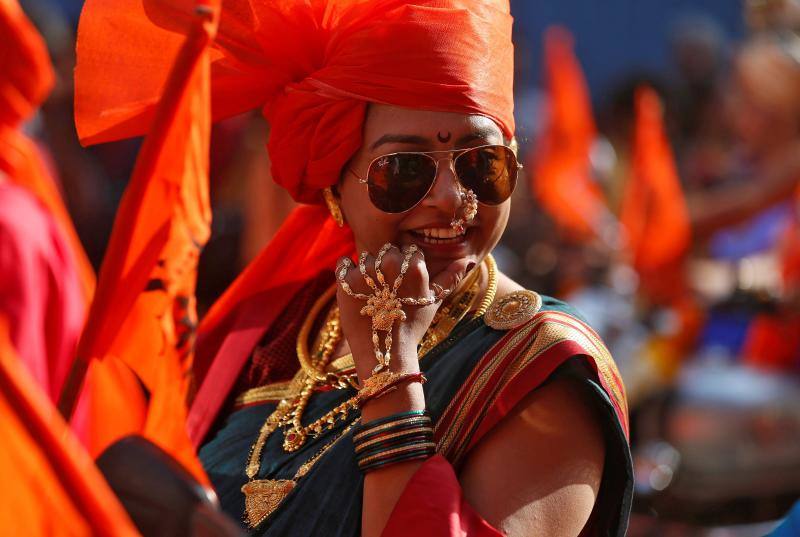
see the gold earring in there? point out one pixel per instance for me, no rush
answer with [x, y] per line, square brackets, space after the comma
[333, 206]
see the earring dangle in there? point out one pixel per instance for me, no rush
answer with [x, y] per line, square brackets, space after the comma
[333, 206]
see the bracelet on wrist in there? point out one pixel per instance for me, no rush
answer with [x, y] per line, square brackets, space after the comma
[401, 437]
[384, 382]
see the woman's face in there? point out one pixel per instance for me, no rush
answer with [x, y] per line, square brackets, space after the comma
[390, 129]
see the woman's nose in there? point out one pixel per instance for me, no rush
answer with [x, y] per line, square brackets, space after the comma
[445, 195]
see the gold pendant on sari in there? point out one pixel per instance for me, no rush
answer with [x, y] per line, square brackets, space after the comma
[263, 496]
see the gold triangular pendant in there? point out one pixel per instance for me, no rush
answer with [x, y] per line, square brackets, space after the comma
[263, 496]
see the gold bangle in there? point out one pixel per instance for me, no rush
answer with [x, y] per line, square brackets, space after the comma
[380, 383]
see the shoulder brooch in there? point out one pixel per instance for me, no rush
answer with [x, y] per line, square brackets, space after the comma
[513, 310]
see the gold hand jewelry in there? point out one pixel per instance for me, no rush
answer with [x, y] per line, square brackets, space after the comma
[384, 307]
[341, 272]
[378, 261]
[362, 267]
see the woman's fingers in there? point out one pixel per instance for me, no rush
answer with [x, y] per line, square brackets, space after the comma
[350, 280]
[451, 277]
[401, 270]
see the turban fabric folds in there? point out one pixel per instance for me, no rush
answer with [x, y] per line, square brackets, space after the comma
[311, 66]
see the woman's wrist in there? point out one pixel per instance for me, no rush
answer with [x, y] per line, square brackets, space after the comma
[403, 360]
[407, 396]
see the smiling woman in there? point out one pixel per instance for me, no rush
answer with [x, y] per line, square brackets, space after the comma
[410, 386]
[423, 189]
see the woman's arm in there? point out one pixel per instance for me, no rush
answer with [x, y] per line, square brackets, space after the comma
[382, 488]
[773, 182]
[538, 471]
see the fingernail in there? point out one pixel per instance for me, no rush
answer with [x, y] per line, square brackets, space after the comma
[470, 266]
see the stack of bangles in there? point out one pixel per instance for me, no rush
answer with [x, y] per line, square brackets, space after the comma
[407, 436]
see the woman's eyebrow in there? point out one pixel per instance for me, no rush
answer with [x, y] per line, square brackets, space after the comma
[401, 139]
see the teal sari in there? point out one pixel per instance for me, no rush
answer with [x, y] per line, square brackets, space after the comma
[474, 377]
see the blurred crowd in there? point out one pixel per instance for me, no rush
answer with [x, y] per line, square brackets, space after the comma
[708, 340]
[705, 329]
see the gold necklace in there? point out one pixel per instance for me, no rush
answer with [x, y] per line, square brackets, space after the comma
[491, 286]
[263, 496]
[318, 374]
[296, 433]
[451, 313]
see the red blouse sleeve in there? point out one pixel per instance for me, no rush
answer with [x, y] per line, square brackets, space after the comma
[434, 506]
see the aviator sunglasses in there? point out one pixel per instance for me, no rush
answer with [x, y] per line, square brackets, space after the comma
[398, 182]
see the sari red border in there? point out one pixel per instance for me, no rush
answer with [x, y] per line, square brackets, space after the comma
[516, 365]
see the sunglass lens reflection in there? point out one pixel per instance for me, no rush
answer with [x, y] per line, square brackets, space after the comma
[398, 182]
[490, 172]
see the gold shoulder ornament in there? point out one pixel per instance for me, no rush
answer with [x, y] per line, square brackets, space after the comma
[513, 310]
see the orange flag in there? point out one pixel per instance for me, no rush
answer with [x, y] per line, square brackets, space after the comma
[562, 178]
[140, 331]
[51, 486]
[26, 78]
[654, 213]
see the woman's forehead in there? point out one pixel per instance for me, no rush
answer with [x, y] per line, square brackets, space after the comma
[418, 127]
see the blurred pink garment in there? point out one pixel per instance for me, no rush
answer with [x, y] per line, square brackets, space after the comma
[40, 290]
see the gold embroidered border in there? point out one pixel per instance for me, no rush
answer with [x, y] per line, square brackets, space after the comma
[466, 396]
[602, 357]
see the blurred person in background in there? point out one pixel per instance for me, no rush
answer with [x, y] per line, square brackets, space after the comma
[723, 445]
[745, 220]
[45, 278]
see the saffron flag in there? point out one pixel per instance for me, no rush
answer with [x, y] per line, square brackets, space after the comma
[26, 76]
[51, 486]
[138, 342]
[562, 178]
[654, 214]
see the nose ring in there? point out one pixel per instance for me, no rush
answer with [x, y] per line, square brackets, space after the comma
[469, 207]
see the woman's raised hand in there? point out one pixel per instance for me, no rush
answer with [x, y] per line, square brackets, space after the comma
[368, 297]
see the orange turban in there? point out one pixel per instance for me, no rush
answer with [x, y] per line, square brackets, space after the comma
[310, 66]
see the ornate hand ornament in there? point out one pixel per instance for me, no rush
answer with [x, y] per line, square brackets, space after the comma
[384, 306]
